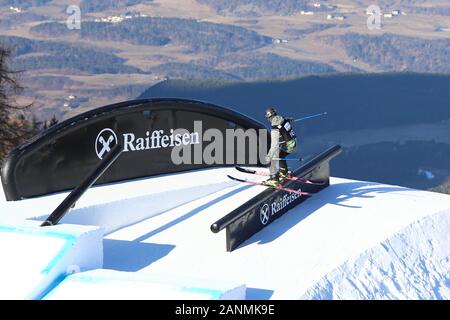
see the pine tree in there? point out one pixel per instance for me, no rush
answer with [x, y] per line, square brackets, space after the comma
[53, 121]
[36, 125]
[14, 128]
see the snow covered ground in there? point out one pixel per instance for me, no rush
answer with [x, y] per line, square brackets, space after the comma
[354, 240]
[34, 259]
[414, 263]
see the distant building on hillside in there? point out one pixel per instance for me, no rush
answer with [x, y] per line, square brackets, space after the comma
[442, 29]
[15, 9]
[278, 41]
[333, 17]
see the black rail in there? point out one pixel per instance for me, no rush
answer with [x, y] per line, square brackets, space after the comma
[76, 193]
[301, 172]
[258, 212]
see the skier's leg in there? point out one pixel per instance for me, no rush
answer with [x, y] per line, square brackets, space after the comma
[283, 169]
[273, 168]
[283, 163]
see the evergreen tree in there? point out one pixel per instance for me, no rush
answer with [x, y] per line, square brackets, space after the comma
[53, 121]
[14, 128]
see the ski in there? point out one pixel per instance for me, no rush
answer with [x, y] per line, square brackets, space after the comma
[262, 173]
[279, 187]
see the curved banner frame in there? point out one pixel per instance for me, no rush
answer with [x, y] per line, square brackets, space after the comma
[58, 158]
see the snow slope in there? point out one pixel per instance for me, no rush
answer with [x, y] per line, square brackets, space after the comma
[331, 246]
[296, 251]
[412, 264]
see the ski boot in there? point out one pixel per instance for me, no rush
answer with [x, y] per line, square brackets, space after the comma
[283, 174]
[272, 182]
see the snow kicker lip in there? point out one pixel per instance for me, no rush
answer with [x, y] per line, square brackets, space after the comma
[269, 205]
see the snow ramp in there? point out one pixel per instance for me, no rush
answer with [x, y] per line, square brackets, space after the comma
[295, 252]
[412, 264]
[34, 259]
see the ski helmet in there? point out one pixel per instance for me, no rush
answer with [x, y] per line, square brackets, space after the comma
[270, 112]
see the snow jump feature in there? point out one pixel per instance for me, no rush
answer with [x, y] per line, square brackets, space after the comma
[270, 204]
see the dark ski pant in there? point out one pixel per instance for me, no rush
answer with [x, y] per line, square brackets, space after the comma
[276, 165]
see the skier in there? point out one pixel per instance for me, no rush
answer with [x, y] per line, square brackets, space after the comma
[283, 143]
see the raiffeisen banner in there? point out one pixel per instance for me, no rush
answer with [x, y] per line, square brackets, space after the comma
[158, 136]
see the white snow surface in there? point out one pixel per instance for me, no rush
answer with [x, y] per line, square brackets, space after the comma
[412, 264]
[115, 205]
[120, 285]
[353, 240]
[33, 258]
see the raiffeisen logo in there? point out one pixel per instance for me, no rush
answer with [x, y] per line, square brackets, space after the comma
[156, 139]
[105, 141]
[264, 214]
[282, 203]
[279, 204]
[210, 146]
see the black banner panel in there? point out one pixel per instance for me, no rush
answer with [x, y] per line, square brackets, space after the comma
[148, 130]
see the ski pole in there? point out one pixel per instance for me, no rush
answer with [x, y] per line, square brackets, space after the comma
[288, 159]
[313, 116]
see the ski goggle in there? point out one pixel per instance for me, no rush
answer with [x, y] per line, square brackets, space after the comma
[270, 114]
